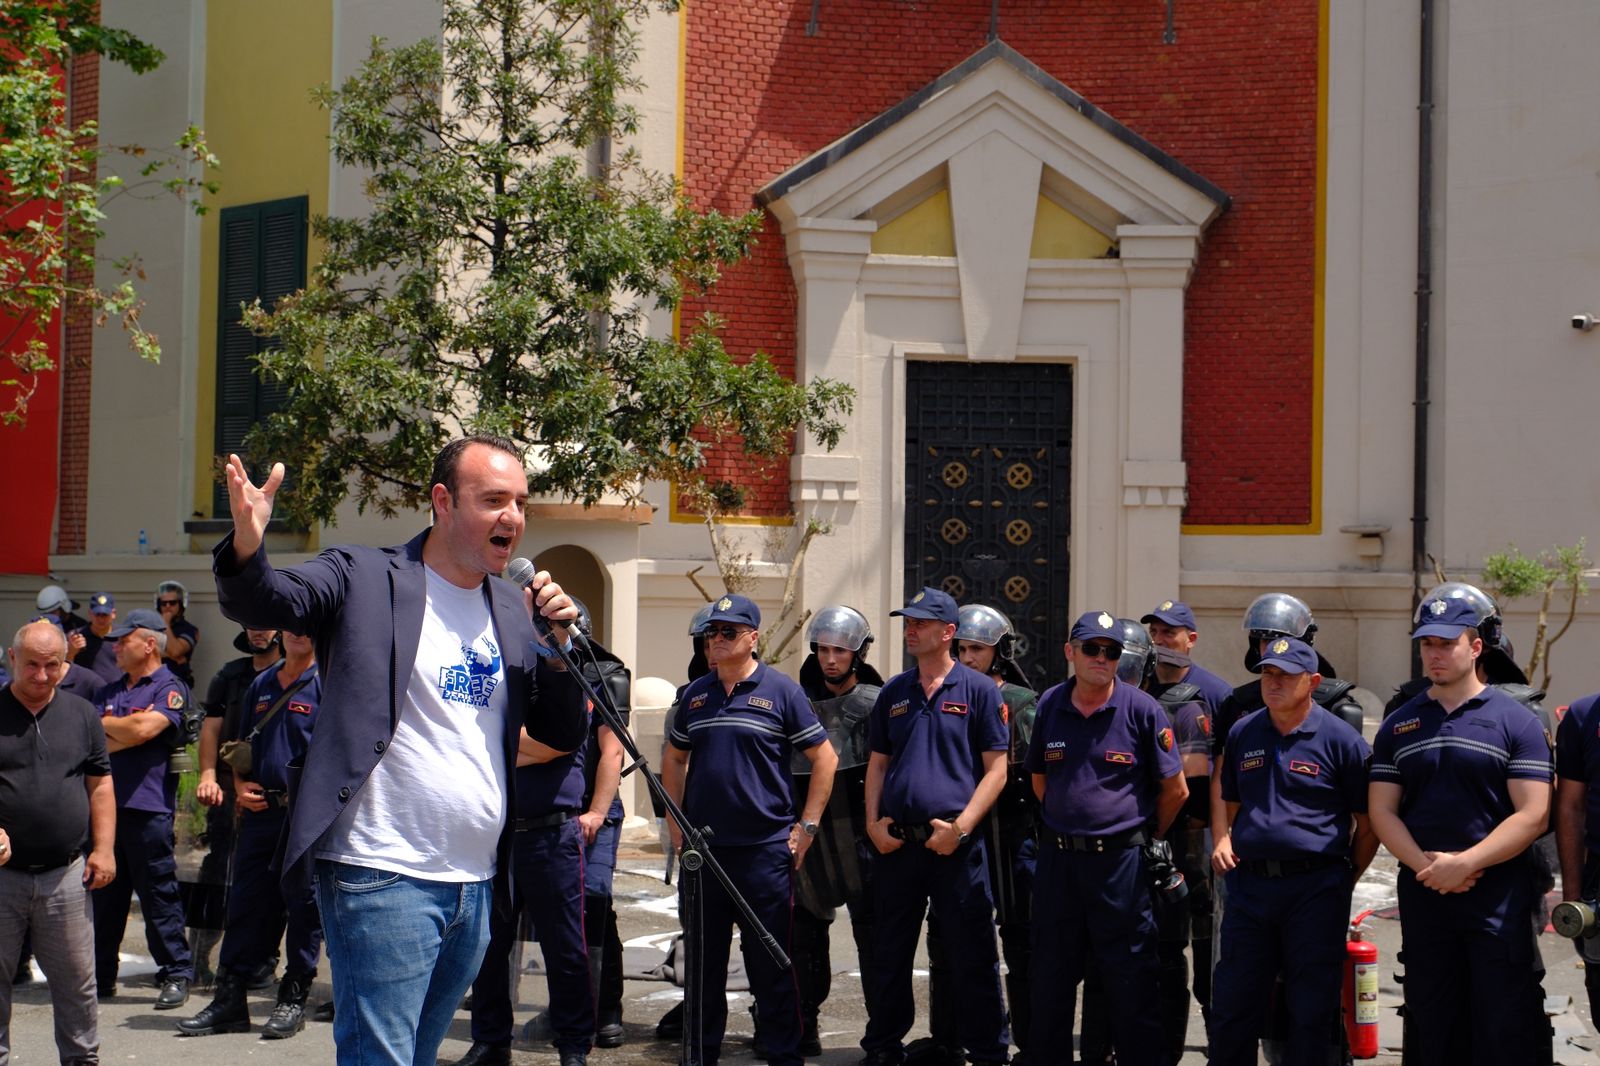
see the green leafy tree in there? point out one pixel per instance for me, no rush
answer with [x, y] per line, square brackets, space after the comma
[502, 278]
[1512, 575]
[56, 183]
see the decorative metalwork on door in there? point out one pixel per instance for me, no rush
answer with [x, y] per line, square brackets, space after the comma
[988, 480]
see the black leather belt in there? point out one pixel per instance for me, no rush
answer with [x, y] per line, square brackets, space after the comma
[917, 833]
[46, 867]
[1290, 867]
[1132, 838]
[544, 821]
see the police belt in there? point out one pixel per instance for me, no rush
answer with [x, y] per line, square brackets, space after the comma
[544, 821]
[46, 866]
[1291, 867]
[1131, 838]
[914, 833]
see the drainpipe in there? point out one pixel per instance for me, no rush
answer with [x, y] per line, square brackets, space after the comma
[1420, 402]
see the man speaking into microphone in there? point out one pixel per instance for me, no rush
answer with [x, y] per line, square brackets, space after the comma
[430, 671]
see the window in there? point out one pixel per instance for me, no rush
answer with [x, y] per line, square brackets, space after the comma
[263, 255]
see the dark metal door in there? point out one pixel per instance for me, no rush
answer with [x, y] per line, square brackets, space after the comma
[988, 492]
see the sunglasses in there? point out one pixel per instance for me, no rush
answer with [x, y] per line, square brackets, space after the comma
[168, 603]
[1109, 652]
[725, 632]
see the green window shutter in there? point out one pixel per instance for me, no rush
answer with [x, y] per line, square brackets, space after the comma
[263, 256]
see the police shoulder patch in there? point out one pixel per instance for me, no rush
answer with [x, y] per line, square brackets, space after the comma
[1164, 738]
[174, 700]
[897, 709]
[1204, 723]
[699, 701]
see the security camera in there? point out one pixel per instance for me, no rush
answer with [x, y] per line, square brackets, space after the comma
[1584, 322]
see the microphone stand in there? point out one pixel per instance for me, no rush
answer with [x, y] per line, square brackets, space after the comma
[696, 854]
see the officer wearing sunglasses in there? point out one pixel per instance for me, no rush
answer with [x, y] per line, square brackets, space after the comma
[1106, 769]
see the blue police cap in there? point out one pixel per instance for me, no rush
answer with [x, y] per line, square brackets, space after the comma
[1172, 614]
[1289, 655]
[140, 618]
[102, 603]
[1446, 617]
[932, 603]
[54, 620]
[733, 607]
[1096, 625]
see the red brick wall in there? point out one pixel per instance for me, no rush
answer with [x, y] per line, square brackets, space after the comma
[77, 355]
[1234, 100]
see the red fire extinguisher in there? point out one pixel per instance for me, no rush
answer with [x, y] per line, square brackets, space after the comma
[1361, 991]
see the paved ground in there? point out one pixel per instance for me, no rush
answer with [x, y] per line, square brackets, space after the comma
[132, 1032]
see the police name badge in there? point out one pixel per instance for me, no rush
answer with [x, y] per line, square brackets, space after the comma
[761, 701]
[1407, 726]
[897, 709]
[1055, 751]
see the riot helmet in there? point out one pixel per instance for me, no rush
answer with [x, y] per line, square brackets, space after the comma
[982, 624]
[697, 624]
[173, 586]
[839, 626]
[1278, 614]
[1275, 614]
[1138, 653]
[1498, 658]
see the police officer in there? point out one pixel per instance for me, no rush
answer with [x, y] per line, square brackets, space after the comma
[842, 687]
[53, 600]
[1578, 822]
[1295, 781]
[224, 706]
[727, 764]
[1106, 770]
[986, 641]
[1173, 632]
[547, 886]
[137, 712]
[282, 707]
[600, 823]
[1177, 923]
[99, 651]
[1460, 786]
[172, 599]
[938, 764]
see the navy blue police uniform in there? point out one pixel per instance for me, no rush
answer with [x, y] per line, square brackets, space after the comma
[548, 887]
[1467, 954]
[740, 746]
[1103, 775]
[258, 911]
[600, 857]
[1578, 760]
[99, 653]
[1289, 897]
[146, 864]
[935, 745]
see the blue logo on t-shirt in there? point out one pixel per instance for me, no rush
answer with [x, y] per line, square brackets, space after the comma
[475, 679]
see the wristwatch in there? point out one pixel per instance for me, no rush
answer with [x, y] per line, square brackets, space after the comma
[962, 836]
[809, 828]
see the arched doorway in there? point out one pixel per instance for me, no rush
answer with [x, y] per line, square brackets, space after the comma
[579, 574]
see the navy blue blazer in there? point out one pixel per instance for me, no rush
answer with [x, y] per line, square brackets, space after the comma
[363, 608]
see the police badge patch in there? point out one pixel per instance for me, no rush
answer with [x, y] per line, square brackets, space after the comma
[724, 603]
[1164, 738]
[174, 700]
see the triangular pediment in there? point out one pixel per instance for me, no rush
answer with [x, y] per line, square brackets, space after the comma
[1085, 160]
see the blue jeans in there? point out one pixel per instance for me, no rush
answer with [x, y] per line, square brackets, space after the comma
[403, 952]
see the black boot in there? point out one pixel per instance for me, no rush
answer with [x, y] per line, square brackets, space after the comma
[226, 1013]
[289, 1016]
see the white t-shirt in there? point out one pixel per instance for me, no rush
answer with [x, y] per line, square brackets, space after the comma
[435, 804]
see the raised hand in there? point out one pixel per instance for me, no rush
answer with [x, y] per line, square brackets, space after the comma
[251, 506]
